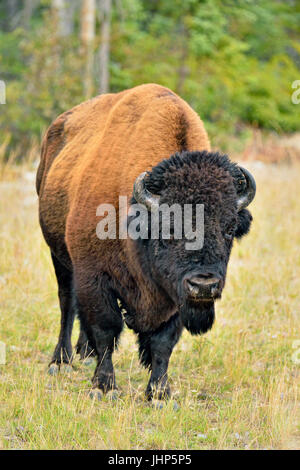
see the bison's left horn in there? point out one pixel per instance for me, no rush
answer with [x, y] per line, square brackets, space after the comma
[142, 195]
[249, 193]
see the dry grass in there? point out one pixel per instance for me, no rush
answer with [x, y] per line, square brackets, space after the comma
[272, 148]
[236, 386]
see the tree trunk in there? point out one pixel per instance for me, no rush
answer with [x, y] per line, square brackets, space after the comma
[28, 9]
[60, 16]
[104, 52]
[13, 14]
[71, 6]
[88, 26]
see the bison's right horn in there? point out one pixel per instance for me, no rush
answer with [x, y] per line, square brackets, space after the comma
[143, 196]
[245, 198]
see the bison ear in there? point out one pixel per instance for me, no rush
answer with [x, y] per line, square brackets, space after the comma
[244, 223]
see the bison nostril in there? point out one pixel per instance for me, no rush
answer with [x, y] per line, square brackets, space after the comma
[214, 291]
[193, 288]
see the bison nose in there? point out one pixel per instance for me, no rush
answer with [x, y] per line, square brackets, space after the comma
[203, 287]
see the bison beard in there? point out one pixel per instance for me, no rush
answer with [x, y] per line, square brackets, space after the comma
[197, 319]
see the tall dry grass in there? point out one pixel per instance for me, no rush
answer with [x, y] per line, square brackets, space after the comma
[237, 386]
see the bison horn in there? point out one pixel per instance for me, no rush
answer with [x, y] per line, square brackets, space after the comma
[249, 193]
[142, 195]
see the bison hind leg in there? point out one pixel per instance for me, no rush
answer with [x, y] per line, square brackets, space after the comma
[63, 349]
[102, 323]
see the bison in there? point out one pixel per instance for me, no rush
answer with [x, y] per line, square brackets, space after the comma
[145, 143]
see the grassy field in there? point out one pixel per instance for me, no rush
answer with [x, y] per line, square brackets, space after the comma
[236, 386]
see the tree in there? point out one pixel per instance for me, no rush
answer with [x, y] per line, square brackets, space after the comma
[61, 16]
[88, 24]
[214, 53]
[71, 7]
[104, 50]
[12, 14]
[28, 10]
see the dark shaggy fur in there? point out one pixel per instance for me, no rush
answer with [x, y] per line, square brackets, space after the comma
[195, 177]
[157, 178]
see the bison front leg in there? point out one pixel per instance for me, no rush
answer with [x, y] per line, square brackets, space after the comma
[106, 339]
[155, 350]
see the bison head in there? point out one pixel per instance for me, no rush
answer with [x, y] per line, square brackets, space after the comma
[194, 279]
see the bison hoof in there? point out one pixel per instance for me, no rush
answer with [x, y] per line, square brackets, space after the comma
[66, 369]
[157, 392]
[96, 394]
[157, 404]
[53, 369]
[160, 404]
[113, 395]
